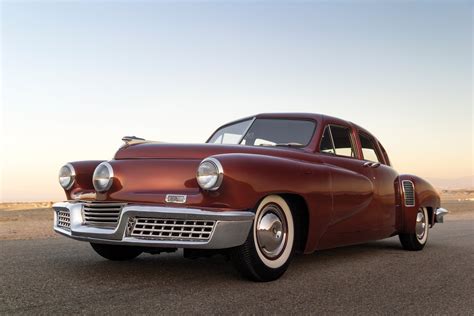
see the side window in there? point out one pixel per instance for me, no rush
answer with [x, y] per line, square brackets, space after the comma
[369, 150]
[337, 140]
[341, 137]
[326, 142]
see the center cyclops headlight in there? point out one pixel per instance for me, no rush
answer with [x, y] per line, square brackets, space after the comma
[67, 176]
[210, 174]
[103, 177]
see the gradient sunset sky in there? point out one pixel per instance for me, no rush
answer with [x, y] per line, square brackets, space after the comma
[79, 75]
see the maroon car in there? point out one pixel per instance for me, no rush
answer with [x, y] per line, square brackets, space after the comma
[260, 190]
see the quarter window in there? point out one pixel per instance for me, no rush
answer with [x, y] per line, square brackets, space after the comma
[337, 140]
[326, 142]
[385, 156]
[369, 151]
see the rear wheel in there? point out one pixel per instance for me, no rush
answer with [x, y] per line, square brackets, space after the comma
[116, 252]
[267, 252]
[417, 240]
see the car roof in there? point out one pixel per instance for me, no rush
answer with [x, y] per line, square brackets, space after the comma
[296, 115]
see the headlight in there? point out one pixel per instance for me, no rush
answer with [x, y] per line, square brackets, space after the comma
[67, 176]
[210, 174]
[103, 177]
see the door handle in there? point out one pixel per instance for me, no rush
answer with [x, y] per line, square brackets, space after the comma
[371, 164]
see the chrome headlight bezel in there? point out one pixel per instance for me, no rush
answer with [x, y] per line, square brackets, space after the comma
[217, 175]
[71, 174]
[110, 177]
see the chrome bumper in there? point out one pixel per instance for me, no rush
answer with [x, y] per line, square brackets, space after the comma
[230, 228]
[440, 212]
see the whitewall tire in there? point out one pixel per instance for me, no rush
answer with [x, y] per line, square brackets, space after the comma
[267, 252]
[418, 239]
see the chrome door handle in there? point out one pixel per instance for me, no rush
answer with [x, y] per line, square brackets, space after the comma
[375, 165]
[367, 164]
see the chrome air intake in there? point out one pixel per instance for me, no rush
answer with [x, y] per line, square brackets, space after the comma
[409, 192]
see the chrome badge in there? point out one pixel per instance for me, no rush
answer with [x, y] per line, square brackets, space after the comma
[175, 198]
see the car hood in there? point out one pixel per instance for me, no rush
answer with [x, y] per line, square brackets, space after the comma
[150, 150]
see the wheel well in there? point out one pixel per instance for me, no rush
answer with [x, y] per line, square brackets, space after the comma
[430, 215]
[299, 210]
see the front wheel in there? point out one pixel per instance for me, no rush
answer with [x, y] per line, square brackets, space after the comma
[267, 252]
[417, 240]
[116, 252]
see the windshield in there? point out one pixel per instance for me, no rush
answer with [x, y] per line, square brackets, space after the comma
[266, 132]
[231, 134]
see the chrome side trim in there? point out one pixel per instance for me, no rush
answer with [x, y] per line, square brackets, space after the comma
[440, 212]
[231, 227]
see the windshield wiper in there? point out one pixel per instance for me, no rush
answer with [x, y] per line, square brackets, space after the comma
[294, 145]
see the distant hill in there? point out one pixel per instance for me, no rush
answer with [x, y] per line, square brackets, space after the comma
[452, 184]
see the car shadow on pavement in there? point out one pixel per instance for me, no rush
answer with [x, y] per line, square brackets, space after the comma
[172, 266]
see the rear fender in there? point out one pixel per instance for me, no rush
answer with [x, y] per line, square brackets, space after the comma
[425, 196]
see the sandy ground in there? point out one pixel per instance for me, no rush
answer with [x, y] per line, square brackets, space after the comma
[18, 223]
[26, 224]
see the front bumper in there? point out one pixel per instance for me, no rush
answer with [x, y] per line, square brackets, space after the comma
[164, 226]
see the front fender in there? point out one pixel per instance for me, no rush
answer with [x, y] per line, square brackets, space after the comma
[250, 177]
[83, 182]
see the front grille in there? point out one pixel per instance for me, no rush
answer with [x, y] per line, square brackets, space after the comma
[409, 192]
[64, 219]
[171, 229]
[101, 214]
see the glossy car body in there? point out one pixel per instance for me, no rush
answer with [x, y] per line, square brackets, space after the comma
[339, 200]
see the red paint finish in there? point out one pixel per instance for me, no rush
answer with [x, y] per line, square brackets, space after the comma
[425, 196]
[346, 202]
[83, 181]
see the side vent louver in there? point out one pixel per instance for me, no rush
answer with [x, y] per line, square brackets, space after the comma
[409, 192]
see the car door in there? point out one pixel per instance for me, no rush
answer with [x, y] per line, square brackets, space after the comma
[354, 213]
[384, 178]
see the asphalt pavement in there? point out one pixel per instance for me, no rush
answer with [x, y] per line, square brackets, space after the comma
[58, 275]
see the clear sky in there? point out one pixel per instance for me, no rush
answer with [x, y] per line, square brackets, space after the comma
[79, 75]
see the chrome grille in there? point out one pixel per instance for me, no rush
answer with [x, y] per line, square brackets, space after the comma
[64, 219]
[171, 229]
[102, 214]
[409, 192]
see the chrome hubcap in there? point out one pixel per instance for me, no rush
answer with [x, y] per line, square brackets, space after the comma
[420, 225]
[271, 231]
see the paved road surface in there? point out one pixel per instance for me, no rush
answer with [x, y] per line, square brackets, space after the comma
[62, 276]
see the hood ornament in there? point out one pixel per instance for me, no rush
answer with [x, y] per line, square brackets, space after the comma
[130, 140]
